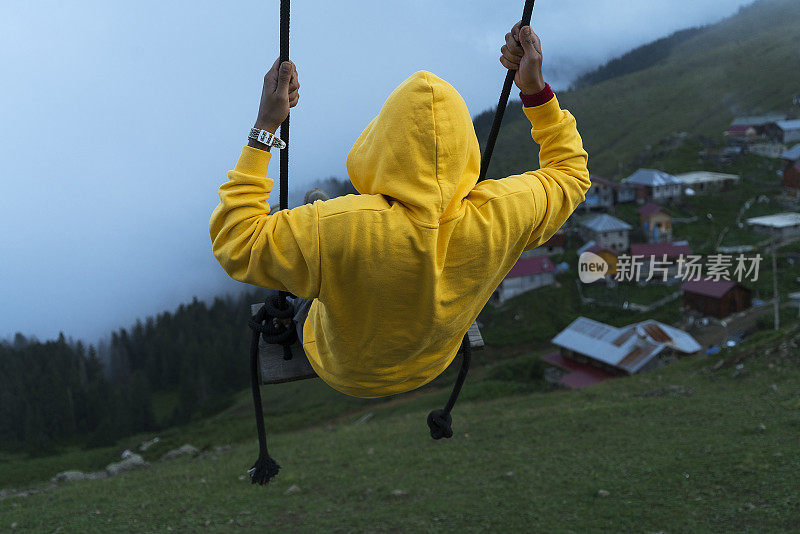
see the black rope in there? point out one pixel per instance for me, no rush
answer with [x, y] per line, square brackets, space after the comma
[284, 195]
[266, 322]
[265, 467]
[501, 106]
[440, 421]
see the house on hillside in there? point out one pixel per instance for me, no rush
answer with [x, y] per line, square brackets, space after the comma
[744, 129]
[662, 258]
[554, 245]
[620, 193]
[787, 131]
[766, 150]
[791, 179]
[607, 231]
[790, 172]
[719, 298]
[600, 194]
[781, 225]
[527, 274]
[702, 182]
[655, 222]
[659, 186]
[611, 257]
[590, 351]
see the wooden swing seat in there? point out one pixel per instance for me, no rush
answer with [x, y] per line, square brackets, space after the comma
[276, 370]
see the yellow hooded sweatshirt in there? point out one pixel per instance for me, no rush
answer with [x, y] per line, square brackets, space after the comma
[400, 271]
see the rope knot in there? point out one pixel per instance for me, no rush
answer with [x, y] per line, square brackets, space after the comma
[278, 307]
[440, 421]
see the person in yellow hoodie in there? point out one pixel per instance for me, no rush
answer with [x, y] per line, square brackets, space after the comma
[389, 281]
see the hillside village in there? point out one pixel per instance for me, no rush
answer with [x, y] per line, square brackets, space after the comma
[690, 236]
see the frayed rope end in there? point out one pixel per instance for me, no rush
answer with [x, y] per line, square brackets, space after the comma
[263, 470]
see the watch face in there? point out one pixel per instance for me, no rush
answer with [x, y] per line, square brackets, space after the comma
[267, 138]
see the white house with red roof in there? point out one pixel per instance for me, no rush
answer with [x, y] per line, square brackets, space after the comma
[527, 274]
[590, 351]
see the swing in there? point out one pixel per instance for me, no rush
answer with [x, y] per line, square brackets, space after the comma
[272, 365]
[276, 369]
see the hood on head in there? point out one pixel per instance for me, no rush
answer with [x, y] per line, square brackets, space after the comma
[421, 149]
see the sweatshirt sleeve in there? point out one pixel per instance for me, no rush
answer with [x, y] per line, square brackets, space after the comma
[279, 251]
[553, 192]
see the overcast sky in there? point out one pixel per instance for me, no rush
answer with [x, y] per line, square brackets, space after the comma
[120, 121]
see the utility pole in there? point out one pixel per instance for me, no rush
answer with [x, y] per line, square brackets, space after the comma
[775, 305]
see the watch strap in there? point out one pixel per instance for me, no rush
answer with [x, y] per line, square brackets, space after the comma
[266, 138]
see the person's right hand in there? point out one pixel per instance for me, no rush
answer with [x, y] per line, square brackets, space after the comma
[523, 53]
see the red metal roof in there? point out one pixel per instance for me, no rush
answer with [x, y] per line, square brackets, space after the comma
[597, 249]
[708, 287]
[580, 374]
[603, 181]
[659, 249]
[533, 265]
[739, 128]
[651, 208]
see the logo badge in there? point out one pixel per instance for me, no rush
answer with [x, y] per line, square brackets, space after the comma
[591, 267]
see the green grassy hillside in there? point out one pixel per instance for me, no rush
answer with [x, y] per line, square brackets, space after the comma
[706, 444]
[746, 64]
[698, 446]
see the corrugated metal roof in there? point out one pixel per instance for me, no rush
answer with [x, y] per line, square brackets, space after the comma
[605, 223]
[531, 265]
[651, 178]
[610, 183]
[779, 220]
[708, 287]
[599, 180]
[651, 208]
[639, 355]
[672, 250]
[793, 154]
[758, 120]
[698, 177]
[597, 249]
[677, 339]
[789, 125]
[628, 348]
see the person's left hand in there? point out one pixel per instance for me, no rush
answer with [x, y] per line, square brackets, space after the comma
[280, 92]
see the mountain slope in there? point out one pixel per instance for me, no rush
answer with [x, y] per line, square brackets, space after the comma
[745, 64]
[639, 58]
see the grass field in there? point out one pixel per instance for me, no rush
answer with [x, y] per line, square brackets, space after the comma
[717, 453]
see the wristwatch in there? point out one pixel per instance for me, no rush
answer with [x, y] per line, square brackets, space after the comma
[267, 138]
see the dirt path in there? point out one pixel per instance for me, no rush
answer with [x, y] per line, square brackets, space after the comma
[717, 334]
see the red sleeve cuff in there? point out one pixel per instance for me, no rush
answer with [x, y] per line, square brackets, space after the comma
[542, 97]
